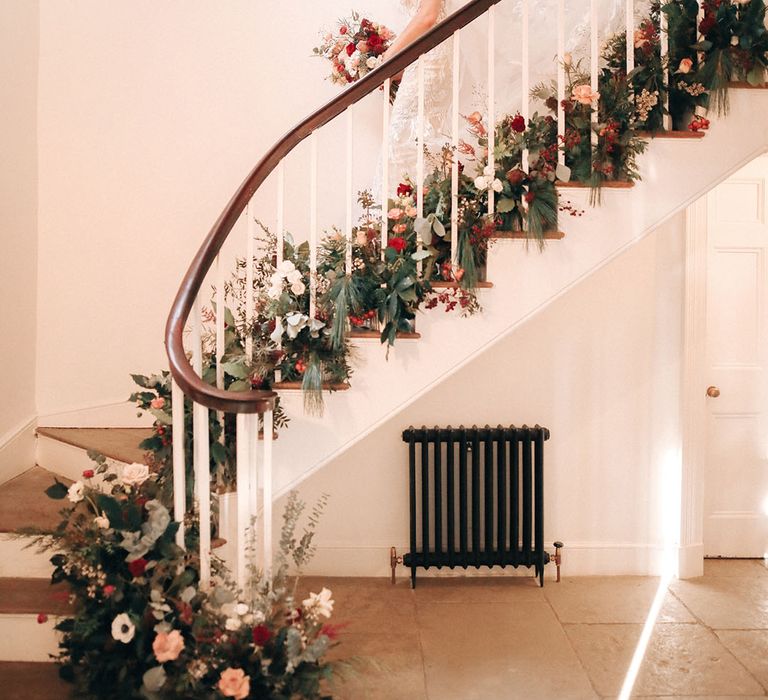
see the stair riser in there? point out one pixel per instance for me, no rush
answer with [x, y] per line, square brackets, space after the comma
[64, 459]
[22, 638]
[17, 560]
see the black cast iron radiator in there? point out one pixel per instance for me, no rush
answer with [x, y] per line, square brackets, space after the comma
[476, 498]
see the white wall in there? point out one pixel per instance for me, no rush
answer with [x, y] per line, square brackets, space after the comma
[18, 231]
[601, 368]
[150, 115]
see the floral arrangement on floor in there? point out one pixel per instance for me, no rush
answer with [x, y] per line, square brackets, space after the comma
[354, 47]
[142, 627]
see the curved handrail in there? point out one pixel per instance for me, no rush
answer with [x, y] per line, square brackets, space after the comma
[259, 401]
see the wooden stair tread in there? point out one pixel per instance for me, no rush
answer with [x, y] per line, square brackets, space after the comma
[327, 386]
[447, 284]
[372, 334]
[23, 503]
[121, 444]
[30, 596]
[32, 680]
[609, 185]
[523, 236]
[743, 85]
[671, 134]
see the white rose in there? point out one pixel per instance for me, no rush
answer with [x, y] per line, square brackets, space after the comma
[123, 628]
[497, 186]
[285, 267]
[734, 41]
[241, 609]
[298, 288]
[75, 492]
[134, 474]
[371, 62]
[102, 521]
[275, 292]
[232, 624]
[276, 280]
[294, 276]
[481, 183]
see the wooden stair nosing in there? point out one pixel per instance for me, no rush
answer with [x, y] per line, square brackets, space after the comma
[368, 334]
[294, 386]
[524, 235]
[609, 184]
[682, 135]
[448, 284]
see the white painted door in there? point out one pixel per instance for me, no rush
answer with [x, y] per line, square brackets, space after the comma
[736, 481]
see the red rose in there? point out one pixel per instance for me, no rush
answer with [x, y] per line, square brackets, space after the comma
[404, 189]
[261, 635]
[342, 30]
[42, 618]
[351, 48]
[88, 474]
[515, 176]
[397, 243]
[108, 591]
[518, 124]
[375, 42]
[707, 24]
[137, 567]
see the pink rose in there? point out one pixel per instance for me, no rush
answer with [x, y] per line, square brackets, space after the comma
[235, 684]
[399, 228]
[685, 66]
[411, 211]
[395, 214]
[167, 647]
[157, 403]
[583, 95]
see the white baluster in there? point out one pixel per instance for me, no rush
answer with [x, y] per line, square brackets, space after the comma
[267, 492]
[220, 303]
[664, 37]
[243, 500]
[561, 78]
[455, 144]
[593, 62]
[421, 125]
[349, 190]
[491, 100]
[250, 232]
[385, 167]
[179, 464]
[252, 427]
[201, 451]
[313, 226]
[630, 29]
[526, 75]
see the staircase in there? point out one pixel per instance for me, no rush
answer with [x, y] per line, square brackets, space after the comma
[676, 171]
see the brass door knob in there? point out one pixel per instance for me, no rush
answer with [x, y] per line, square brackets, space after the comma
[713, 392]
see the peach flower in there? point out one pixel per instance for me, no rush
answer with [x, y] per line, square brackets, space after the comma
[475, 118]
[411, 211]
[685, 66]
[157, 403]
[362, 47]
[399, 228]
[235, 684]
[583, 95]
[168, 646]
[395, 214]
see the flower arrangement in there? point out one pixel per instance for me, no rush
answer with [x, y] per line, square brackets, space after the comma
[142, 627]
[354, 48]
[732, 43]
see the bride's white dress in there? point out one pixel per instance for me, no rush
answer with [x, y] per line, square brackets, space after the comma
[438, 68]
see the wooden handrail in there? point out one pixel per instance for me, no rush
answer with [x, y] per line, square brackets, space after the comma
[259, 401]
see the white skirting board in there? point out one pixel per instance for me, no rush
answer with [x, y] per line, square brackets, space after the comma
[17, 450]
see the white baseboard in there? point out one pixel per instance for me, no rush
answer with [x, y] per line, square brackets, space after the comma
[579, 559]
[17, 450]
[118, 414]
[690, 562]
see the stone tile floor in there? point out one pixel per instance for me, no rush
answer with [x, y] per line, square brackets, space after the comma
[505, 638]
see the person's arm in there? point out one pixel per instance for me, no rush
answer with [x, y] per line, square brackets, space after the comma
[424, 19]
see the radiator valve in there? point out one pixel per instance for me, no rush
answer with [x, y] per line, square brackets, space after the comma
[558, 557]
[394, 560]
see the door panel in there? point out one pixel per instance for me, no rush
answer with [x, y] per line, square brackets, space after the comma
[736, 482]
